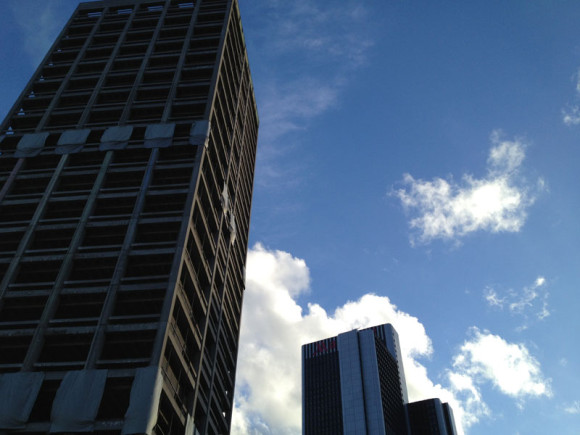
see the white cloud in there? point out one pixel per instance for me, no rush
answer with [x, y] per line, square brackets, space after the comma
[492, 298]
[509, 367]
[571, 115]
[531, 301]
[497, 202]
[573, 408]
[274, 326]
[286, 108]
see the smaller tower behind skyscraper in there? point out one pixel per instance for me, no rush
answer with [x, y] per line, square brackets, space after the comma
[431, 417]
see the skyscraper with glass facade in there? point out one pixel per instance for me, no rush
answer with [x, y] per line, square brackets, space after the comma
[355, 384]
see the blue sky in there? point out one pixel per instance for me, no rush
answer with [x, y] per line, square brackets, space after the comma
[417, 165]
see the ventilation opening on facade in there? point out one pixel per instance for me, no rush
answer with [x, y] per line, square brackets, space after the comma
[127, 64]
[152, 265]
[192, 91]
[87, 160]
[69, 350]
[113, 97]
[164, 205]
[214, 17]
[157, 233]
[133, 158]
[34, 272]
[158, 93]
[92, 67]
[14, 349]
[114, 206]
[173, 19]
[208, 30]
[128, 345]
[158, 77]
[167, 47]
[73, 101]
[147, 113]
[187, 110]
[9, 242]
[93, 271]
[205, 43]
[134, 49]
[177, 153]
[78, 309]
[120, 80]
[115, 399]
[100, 236]
[176, 178]
[43, 405]
[64, 211]
[80, 84]
[128, 180]
[133, 306]
[105, 116]
[75, 183]
[51, 239]
[139, 36]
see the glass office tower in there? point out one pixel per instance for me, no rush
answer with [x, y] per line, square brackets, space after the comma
[354, 384]
[126, 175]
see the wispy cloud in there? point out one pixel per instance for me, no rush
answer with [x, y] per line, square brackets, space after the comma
[509, 367]
[497, 202]
[573, 408]
[316, 50]
[288, 107]
[529, 302]
[40, 28]
[571, 113]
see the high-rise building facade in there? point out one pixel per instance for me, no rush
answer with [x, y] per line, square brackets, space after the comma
[126, 174]
[354, 384]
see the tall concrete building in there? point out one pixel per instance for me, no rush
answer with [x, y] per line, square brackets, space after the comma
[355, 384]
[126, 175]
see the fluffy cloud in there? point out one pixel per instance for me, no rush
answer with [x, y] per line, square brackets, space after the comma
[531, 301]
[497, 202]
[268, 388]
[509, 367]
[274, 327]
